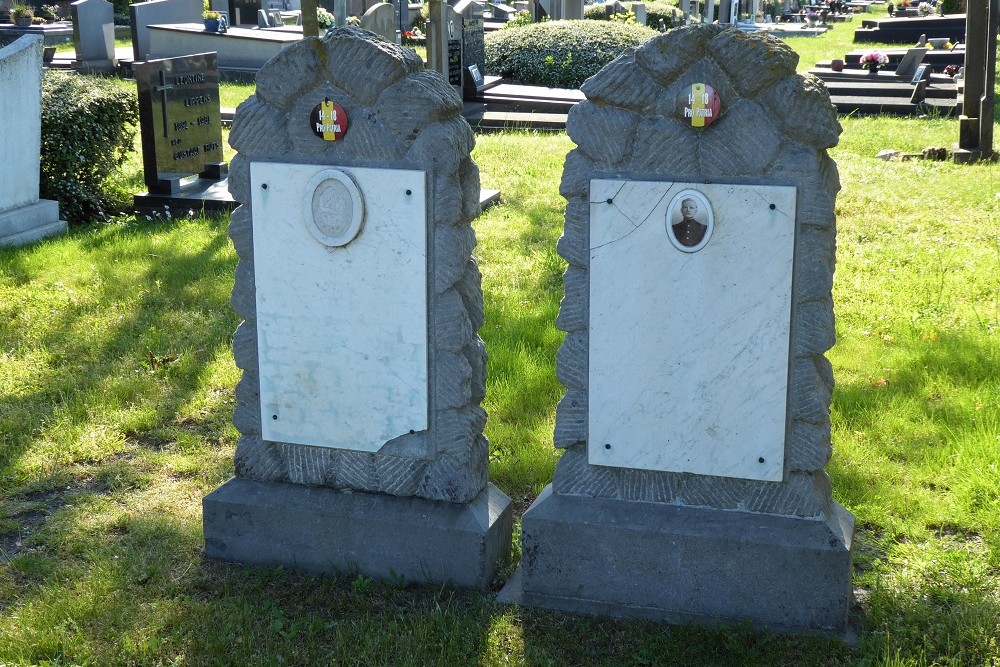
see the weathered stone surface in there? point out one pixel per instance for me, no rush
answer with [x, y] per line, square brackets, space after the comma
[772, 60]
[605, 134]
[755, 79]
[798, 97]
[400, 116]
[289, 74]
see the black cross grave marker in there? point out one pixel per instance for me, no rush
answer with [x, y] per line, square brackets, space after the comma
[162, 90]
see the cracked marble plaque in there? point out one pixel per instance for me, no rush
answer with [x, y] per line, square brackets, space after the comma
[341, 313]
[689, 330]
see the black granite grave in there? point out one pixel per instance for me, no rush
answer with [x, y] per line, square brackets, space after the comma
[181, 129]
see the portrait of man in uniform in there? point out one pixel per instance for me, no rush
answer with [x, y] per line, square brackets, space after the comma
[689, 221]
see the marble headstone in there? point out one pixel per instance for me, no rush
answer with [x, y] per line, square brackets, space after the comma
[94, 34]
[23, 216]
[361, 433]
[700, 236]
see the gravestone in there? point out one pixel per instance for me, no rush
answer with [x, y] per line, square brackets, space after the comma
[473, 36]
[23, 216]
[700, 236]
[143, 14]
[639, 9]
[444, 42]
[94, 34]
[381, 20]
[180, 125]
[361, 433]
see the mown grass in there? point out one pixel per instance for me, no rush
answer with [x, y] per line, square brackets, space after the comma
[116, 394]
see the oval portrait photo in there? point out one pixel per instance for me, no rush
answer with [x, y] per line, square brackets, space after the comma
[690, 221]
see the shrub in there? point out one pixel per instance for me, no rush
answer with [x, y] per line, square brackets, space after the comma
[660, 9]
[595, 13]
[953, 6]
[560, 54]
[88, 128]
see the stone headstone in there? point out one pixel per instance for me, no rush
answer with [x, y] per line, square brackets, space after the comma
[381, 20]
[94, 34]
[180, 125]
[698, 308]
[503, 12]
[23, 216]
[444, 41]
[639, 9]
[143, 14]
[473, 42]
[361, 433]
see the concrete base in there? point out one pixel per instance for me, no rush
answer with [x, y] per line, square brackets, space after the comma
[201, 194]
[30, 223]
[323, 530]
[685, 565]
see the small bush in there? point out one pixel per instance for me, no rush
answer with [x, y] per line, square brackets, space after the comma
[559, 54]
[88, 128]
[595, 12]
[953, 6]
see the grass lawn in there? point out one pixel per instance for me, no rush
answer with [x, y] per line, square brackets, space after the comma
[116, 394]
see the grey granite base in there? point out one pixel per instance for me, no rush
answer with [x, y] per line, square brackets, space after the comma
[684, 564]
[30, 223]
[323, 530]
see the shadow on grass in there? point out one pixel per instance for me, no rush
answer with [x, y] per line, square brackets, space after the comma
[91, 363]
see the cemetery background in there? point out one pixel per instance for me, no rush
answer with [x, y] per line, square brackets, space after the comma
[117, 383]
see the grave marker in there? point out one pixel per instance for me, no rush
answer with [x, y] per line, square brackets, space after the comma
[381, 20]
[23, 216]
[698, 309]
[361, 433]
[94, 34]
[180, 125]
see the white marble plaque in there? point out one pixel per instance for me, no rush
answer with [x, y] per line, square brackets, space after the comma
[341, 303]
[690, 302]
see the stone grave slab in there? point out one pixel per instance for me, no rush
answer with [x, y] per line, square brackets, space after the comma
[24, 217]
[700, 237]
[180, 126]
[94, 34]
[361, 432]
[381, 20]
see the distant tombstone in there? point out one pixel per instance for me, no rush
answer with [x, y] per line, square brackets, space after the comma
[639, 9]
[698, 309]
[572, 10]
[381, 20]
[473, 42]
[444, 42]
[504, 12]
[180, 124]
[144, 14]
[361, 433]
[23, 216]
[94, 34]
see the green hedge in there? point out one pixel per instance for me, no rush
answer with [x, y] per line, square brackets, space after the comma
[559, 54]
[88, 127]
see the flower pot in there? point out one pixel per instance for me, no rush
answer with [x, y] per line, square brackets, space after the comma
[837, 65]
[211, 25]
[872, 70]
[23, 21]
